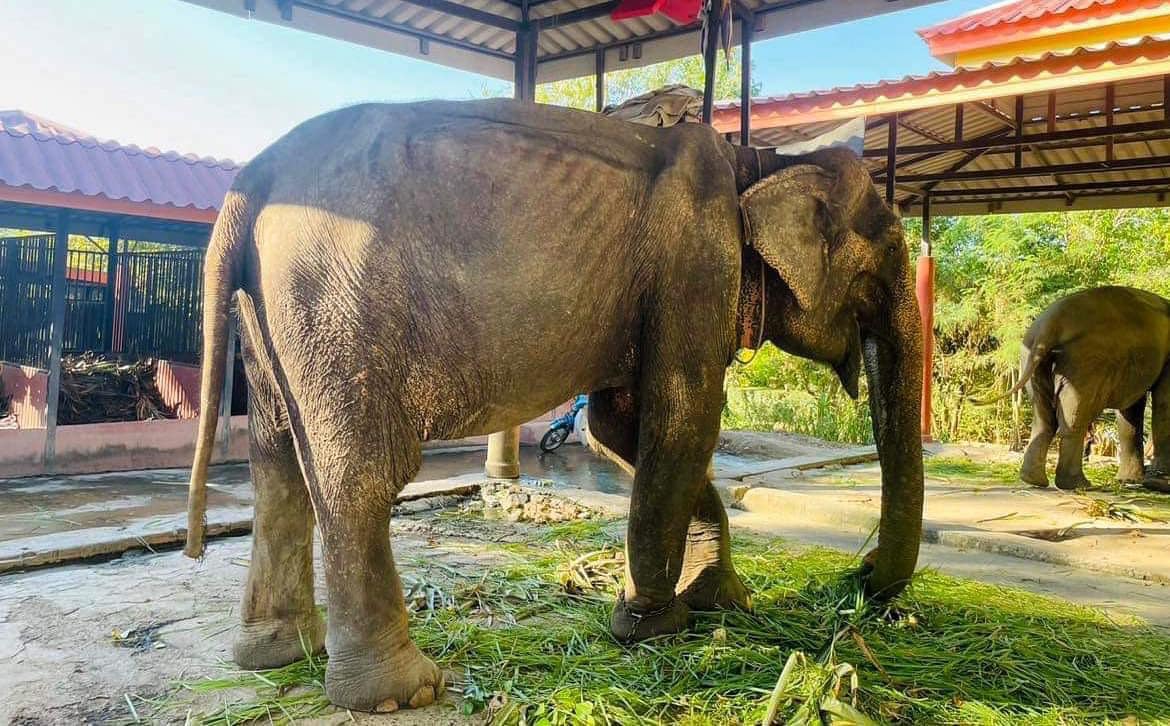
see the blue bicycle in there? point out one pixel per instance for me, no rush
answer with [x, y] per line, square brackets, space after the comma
[562, 426]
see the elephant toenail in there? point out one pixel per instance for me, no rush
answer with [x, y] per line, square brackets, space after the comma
[387, 706]
[424, 696]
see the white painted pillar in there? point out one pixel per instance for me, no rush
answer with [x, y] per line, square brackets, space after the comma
[503, 454]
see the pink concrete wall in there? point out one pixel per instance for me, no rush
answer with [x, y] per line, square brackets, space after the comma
[179, 385]
[28, 388]
[121, 446]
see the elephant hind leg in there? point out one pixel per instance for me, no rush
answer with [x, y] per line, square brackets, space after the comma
[1044, 424]
[357, 458]
[279, 620]
[1074, 416]
[1130, 425]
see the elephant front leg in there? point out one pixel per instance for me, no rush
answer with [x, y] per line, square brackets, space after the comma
[678, 430]
[709, 580]
[1130, 425]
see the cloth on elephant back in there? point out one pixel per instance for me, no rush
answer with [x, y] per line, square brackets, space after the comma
[664, 106]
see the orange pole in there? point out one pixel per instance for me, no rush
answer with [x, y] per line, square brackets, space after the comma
[924, 287]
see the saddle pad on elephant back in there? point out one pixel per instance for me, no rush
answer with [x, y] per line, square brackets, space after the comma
[664, 106]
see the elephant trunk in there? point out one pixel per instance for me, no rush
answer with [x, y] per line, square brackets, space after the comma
[892, 348]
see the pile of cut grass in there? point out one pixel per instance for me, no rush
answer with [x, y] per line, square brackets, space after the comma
[951, 652]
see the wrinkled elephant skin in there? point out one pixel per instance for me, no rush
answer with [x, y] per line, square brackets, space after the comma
[442, 269]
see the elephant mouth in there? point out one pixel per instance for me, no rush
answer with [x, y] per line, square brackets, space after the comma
[848, 368]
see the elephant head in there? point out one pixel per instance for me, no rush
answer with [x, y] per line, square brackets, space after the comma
[837, 288]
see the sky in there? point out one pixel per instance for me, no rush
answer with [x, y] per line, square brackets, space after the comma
[172, 75]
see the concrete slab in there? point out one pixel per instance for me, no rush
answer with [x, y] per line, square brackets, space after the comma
[1045, 525]
[815, 460]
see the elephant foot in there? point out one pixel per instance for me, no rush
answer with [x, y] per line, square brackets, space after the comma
[1157, 482]
[1071, 483]
[1034, 477]
[630, 624]
[382, 678]
[714, 588]
[274, 643]
[1130, 474]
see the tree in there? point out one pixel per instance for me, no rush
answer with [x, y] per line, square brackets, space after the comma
[621, 85]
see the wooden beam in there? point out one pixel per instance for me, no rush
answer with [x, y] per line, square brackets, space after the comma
[56, 334]
[891, 158]
[1153, 162]
[1019, 129]
[111, 285]
[709, 53]
[925, 133]
[1110, 102]
[747, 30]
[1000, 140]
[592, 12]
[1061, 188]
[1051, 120]
[599, 81]
[382, 24]
[958, 123]
[467, 13]
[1166, 97]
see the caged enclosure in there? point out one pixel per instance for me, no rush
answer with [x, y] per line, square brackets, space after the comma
[128, 306]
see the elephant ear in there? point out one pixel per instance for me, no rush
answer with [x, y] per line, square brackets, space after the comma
[788, 219]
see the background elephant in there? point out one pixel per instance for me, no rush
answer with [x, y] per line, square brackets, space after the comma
[1101, 348]
[401, 269]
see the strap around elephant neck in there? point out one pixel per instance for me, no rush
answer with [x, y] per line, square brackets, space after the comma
[746, 338]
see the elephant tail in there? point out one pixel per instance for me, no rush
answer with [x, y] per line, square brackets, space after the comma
[221, 278]
[1037, 355]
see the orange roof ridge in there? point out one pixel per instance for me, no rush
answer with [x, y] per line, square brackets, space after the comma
[1023, 19]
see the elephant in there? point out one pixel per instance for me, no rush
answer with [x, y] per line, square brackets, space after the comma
[399, 270]
[1105, 347]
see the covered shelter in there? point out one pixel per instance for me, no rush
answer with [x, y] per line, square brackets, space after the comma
[113, 297]
[538, 41]
[1063, 107]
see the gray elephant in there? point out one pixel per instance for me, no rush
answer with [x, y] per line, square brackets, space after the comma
[401, 270]
[1106, 347]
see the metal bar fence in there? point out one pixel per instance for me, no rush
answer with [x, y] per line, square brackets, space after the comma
[158, 298]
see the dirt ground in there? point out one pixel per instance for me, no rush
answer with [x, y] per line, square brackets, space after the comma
[113, 642]
[79, 644]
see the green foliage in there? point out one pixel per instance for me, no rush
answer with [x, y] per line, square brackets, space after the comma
[776, 390]
[994, 274]
[952, 651]
[621, 85]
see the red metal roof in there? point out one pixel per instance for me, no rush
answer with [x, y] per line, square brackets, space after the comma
[38, 155]
[1030, 16]
[1146, 56]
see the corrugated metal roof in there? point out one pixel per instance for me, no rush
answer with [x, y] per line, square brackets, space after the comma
[481, 35]
[1066, 161]
[39, 154]
[1133, 58]
[1043, 13]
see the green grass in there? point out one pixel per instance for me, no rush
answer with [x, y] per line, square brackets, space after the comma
[990, 473]
[951, 652]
